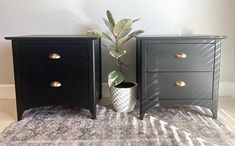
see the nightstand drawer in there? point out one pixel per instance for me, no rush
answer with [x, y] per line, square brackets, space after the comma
[181, 86]
[180, 57]
[55, 86]
[64, 56]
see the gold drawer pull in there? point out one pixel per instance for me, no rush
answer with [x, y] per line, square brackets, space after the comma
[181, 55]
[54, 56]
[55, 84]
[180, 83]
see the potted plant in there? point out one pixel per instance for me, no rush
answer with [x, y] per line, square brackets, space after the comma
[123, 92]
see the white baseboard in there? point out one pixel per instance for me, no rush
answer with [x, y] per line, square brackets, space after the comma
[227, 89]
[105, 90]
[7, 91]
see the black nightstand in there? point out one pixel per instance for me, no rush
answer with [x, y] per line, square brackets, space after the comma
[57, 70]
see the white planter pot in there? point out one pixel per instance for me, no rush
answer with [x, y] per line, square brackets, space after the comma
[124, 96]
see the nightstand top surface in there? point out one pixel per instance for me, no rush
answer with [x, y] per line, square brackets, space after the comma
[180, 36]
[42, 37]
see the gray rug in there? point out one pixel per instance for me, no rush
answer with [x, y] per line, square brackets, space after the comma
[57, 125]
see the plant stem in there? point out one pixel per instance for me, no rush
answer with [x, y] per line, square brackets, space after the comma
[118, 61]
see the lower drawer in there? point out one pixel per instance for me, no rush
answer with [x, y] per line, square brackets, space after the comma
[179, 86]
[45, 86]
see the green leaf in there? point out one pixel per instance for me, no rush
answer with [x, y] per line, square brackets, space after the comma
[115, 77]
[110, 18]
[99, 34]
[121, 26]
[110, 47]
[135, 20]
[106, 36]
[96, 32]
[108, 24]
[117, 54]
[130, 36]
[124, 33]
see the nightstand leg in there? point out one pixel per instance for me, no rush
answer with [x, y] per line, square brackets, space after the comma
[100, 96]
[215, 115]
[93, 113]
[142, 116]
[214, 112]
[19, 113]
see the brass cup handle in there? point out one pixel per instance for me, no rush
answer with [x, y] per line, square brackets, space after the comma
[181, 55]
[180, 84]
[54, 56]
[55, 84]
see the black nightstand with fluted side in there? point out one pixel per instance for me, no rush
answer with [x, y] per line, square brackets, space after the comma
[181, 69]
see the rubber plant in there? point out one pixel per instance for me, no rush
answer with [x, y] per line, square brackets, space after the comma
[121, 32]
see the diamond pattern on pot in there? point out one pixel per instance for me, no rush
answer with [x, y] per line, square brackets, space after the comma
[123, 99]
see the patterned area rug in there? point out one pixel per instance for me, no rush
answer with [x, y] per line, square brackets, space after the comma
[58, 125]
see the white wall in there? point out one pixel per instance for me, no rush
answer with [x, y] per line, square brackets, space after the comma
[20, 17]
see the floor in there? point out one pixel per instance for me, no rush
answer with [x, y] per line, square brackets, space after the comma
[226, 111]
[7, 113]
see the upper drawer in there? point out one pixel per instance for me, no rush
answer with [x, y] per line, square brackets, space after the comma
[40, 56]
[180, 57]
